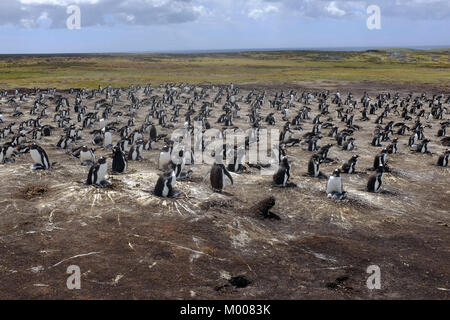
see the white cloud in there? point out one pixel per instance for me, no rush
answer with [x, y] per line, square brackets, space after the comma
[260, 13]
[334, 10]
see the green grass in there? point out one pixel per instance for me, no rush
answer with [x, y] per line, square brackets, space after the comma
[79, 71]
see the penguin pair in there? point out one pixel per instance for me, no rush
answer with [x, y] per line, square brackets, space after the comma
[166, 182]
[7, 153]
[97, 173]
[423, 146]
[136, 152]
[64, 142]
[334, 188]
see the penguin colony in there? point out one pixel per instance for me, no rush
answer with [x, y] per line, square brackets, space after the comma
[104, 121]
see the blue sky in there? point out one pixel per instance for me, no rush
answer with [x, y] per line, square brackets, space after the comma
[39, 26]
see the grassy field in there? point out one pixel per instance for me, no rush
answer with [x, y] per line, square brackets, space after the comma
[83, 70]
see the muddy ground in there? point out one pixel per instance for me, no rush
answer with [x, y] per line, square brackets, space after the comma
[130, 244]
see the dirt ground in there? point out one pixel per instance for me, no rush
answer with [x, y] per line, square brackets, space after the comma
[130, 244]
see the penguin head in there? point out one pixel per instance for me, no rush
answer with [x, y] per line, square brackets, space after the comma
[84, 148]
[102, 160]
[33, 146]
[355, 157]
[337, 173]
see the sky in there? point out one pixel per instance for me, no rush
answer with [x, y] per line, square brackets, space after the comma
[40, 26]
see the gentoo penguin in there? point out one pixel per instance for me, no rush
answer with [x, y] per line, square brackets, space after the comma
[392, 148]
[179, 164]
[281, 177]
[334, 186]
[166, 182]
[380, 159]
[7, 153]
[314, 166]
[375, 180]
[350, 165]
[423, 147]
[97, 173]
[135, 152]
[443, 159]
[63, 143]
[119, 162]
[217, 176]
[39, 157]
[164, 157]
[349, 144]
[87, 156]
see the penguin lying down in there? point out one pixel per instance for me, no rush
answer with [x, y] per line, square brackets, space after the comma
[97, 174]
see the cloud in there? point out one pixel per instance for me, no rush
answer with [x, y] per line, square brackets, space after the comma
[52, 13]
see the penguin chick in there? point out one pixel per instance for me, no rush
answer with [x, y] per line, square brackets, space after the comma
[262, 209]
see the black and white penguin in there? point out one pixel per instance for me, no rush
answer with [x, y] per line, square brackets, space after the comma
[135, 152]
[64, 142]
[349, 145]
[393, 147]
[165, 185]
[97, 173]
[87, 156]
[281, 177]
[375, 180]
[119, 162]
[334, 188]
[6, 153]
[350, 166]
[380, 159]
[443, 159]
[423, 146]
[178, 163]
[107, 140]
[39, 157]
[218, 176]
[314, 165]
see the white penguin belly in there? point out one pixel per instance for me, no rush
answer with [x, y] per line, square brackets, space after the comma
[334, 185]
[101, 172]
[164, 158]
[107, 141]
[86, 156]
[36, 156]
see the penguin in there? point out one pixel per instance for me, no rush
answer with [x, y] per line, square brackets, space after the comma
[350, 166]
[97, 173]
[392, 148]
[63, 143]
[179, 164]
[281, 177]
[349, 144]
[375, 180]
[334, 186]
[165, 184]
[314, 166]
[380, 159]
[135, 152]
[217, 177]
[443, 159]
[423, 147]
[119, 163]
[39, 157]
[87, 156]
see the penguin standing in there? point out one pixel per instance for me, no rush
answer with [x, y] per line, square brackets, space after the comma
[350, 166]
[443, 159]
[7, 153]
[218, 176]
[119, 163]
[135, 152]
[39, 157]
[423, 147]
[281, 177]
[314, 166]
[375, 180]
[97, 173]
[334, 186]
[380, 159]
[107, 140]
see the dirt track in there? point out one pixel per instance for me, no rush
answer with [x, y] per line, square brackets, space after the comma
[144, 247]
